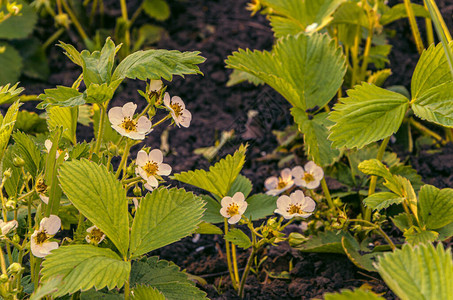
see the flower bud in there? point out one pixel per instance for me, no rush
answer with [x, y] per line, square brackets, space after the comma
[137, 191]
[15, 268]
[18, 162]
[10, 204]
[130, 170]
[3, 278]
[113, 149]
[7, 174]
[62, 20]
[16, 238]
[13, 8]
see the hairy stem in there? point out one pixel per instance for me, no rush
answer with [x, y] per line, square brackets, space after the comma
[414, 26]
[326, 191]
[100, 129]
[228, 254]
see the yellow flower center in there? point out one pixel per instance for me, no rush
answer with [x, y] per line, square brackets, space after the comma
[40, 186]
[177, 109]
[129, 125]
[233, 209]
[151, 168]
[308, 177]
[281, 183]
[295, 209]
[96, 235]
[41, 237]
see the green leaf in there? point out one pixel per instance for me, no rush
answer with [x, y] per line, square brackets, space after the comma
[16, 180]
[436, 105]
[166, 278]
[142, 292]
[157, 9]
[379, 55]
[368, 115]
[315, 129]
[11, 63]
[351, 13]
[293, 16]
[156, 64]
[65, 117]
[382, 200]
[436, 206]
[239, 238]
[34, 56]
[401, 221]
[207, 228]
[212, 212]
[238, 76]
[260, 206]
[379, 77]
[29, 152]
[357, 294]
[306, 70]
[164, 216]
[84, 267]
[96, 93]
[432, 70]
[18, 27]
[361, 261]
[220, 177]
[30, 123]
[96, 295]
[47, 288]
[100, 197]
[61, 96]
[399, 12]
[7, 126]
[325, 242]
[241, 184]
[71, 53]
[418, 273]
[416, 236]
[375, 167]
[10, 94]
[445, 232]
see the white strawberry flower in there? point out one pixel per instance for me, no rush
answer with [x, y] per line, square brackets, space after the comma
[309, 176]
[6, 227]
[155, 86]
[179, 113]
[95, 236]
[122, 119]
[39, 242]
[296, 205]
[277, 185]
[233, 207]
[48, 144]
[150, 167]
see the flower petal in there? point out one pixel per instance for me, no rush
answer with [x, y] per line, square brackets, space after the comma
[226, 201]
[152, 181]
[271, 183]
[286, 174]
[164, 170]
[148, 187]
[178, 100]
[234, 219]
[48, 145]
[129, 109]
[116, 115]
[167, 101]
[155, 85]
[142, 158]
[156, 156]
[44, 198]
[143, 125]
[297, 172]
[51, 224]
[283, 202]
[309, 205]
[186, 118]
[238, 197]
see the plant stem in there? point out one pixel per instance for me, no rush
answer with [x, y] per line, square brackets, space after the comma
[228, 254]
[326, 191]
[414, 26]
[426, 130]
[246, 272]
[52, 38]
[126, 20]
[373, 179]
[132, 180]
[161, 121]
[100, 129]
[355, 56]
[127, 290]
[123, 159]
[384, 235]
[235, 262]
[75, 21]
[366, 52]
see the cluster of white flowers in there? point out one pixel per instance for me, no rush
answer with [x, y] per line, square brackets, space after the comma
[296, 204]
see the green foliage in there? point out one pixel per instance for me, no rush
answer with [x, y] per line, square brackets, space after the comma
[47, 288]
[293, 16]
[436, 206]
[163, 217]
[18, 27]
[61, 96]
[306, 70]
[30, 123]
[241, 184]
[99, 197]
[369, 114]
[220, 177]
[208, 228]
[7, 126]
[399, 12]
[326, 242]
[260, 206]
[238, 238]
[352, 14]
[166, 278]
[362, 259]
[65, 117]
[378, 201]
[10, 94]
[83, 267]
[29, 152]
[357, 294]
[421, 272]
[415, 236]
[143, 292]
[11, 63]
[238, 76]
[212, 212]
[157, 9]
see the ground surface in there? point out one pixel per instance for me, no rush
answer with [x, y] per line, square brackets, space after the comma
[217, 28]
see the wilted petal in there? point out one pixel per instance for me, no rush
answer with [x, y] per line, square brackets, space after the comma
[48, 145]
[8, 226]
[44, 198]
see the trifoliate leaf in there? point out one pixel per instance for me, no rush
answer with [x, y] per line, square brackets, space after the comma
[418, 273]
[399, 12]
[157, 9]
[436, 206]
[432, 70]
[100, 197]
[96, 93]
[363, 261]
[379, 77]
[239, 238]
[83, 267]
[238, 76]
[357, 294]
[260, 206]
[436, 105]
[65, 117]
[294, 16]
[61, 96]
[166, 278]
[375, 167]
[18, 27]
[306, 70]
[208, 228]
[143, 292]
[220, 177]
[315, 129]
[30, 123]
[382, 200]
[47, 288]
[156, 64]
[163, 217]
[368, 115]
[11, 63]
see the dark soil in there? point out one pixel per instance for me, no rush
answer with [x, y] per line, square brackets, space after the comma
[217, 28]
